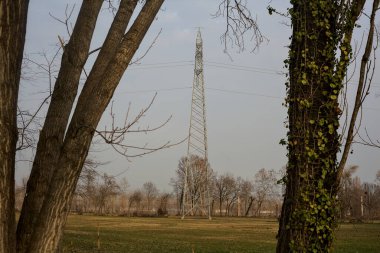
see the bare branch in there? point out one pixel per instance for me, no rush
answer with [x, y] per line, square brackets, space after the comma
[115, 136]
[68, 13]
[367, 140]
[239, 23]
[136, 61]
[365, 79]
[27, 120]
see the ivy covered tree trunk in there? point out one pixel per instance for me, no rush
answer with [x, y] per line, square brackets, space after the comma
[318, 58]
[13, 17]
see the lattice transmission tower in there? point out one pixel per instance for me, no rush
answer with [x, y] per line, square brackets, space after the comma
[196, 196]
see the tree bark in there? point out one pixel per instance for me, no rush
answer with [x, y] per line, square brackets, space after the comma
[13, 19]
[79, 135]
[51, 136]
[308, 213]
[111, 43]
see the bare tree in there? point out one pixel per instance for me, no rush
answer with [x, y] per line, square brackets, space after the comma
[151, 192]
[357, 200]
[163, 206]
[124, 185]
[225, 186]
[86, 187]
[265, 184]
[135, 201]
[105, 192]
[371, 200]
[246, 195]
[233, 190]
[345, 194]
[177, 185]
[196, 180]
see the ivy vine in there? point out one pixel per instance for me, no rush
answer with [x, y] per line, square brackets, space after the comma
[319, 54]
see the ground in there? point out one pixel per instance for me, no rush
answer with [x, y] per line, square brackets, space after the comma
[221, 235]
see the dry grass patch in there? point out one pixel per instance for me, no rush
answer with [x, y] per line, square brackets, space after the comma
[221, 235]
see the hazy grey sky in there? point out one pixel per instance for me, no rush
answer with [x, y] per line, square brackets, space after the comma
[245, 116]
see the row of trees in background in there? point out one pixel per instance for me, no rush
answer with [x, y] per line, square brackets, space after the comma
[232, 196]
[103, 194]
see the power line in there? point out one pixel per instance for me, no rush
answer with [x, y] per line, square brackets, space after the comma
[156, 90]
[207, 88]
[246, 68]
[237, 92]
[176, 64]
[244, 93]
[162, 63]
[211, 89]
[371, 108]
[143, 67]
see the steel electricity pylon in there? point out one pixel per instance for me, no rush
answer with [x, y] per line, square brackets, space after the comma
[196, 196]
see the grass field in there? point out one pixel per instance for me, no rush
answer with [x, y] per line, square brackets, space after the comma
[221, 235]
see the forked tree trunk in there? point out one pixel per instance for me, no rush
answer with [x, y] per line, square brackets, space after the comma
[65, 90]
[49, 226]
[315, 79]
[13, 18]
[51, 136]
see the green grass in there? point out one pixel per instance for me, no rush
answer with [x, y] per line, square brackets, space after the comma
[221, 235]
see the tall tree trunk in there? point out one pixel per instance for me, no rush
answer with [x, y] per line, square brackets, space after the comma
[251, 199]
[315, 79]
[13, 18]
[220, 206]
[79, 135]
[74, 57]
